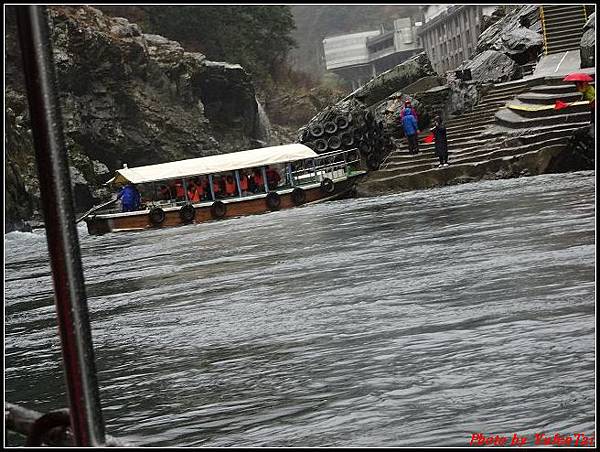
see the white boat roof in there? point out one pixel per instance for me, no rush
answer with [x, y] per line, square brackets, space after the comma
[214, 164]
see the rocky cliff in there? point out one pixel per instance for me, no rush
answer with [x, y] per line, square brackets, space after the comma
[126, 97]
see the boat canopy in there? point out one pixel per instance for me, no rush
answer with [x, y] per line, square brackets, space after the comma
[213, 164]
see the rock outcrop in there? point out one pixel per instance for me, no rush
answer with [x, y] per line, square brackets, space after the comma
[126, 97]
[394, 80]
[517, 35]
[493, 66]
[587, 47]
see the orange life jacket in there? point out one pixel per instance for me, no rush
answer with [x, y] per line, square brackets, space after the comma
[180, 191]
[258, 180]
[194, 194]
[230, 187]
[216, 186]
[244, 183]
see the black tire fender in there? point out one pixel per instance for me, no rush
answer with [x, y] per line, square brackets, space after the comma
[218, 210]
[364, 147]
[327, 186]
[373, 161]
[187, 213]
[342, 122]
[330, 127]
[347, 139]
[298, 196]
[334, 142]
[157, 216]
[320, 145]
[317, 130]
[273, 200]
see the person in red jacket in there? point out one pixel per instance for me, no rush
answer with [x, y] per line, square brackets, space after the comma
[258, 181]
[230, 188]
[408, 106]
[273, 178]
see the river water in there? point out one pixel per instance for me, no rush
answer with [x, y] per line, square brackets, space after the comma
[410, 319]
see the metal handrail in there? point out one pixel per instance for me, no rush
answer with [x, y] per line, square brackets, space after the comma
[544, 30]
[61, 232]
[332, 166]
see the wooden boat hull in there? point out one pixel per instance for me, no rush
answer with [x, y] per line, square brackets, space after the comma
[135, 221]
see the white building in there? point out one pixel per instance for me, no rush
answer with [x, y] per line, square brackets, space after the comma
[358, 57]
[450, 32]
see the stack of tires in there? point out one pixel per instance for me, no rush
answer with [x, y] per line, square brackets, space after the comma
[358, 129]
[332, 134]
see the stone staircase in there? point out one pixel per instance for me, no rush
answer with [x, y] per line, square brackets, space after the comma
[562, 27]
[465, 132]
[535, 108]
[483, 137]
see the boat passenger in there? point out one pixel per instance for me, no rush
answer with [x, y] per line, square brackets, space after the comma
[194, 195]
[217, 187]
[165, 193]
[179, 191]
[258, 180]
[230, 188]
[273, 178]
[244, 183]
[204, 185]
[130, 198]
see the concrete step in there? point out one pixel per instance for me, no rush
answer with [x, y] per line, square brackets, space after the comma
[548, 99]
[493, 96]
[514, 120]
[562, 46]
[492, 105]
[461, 127]
[548, 111]
[554, 89]
[554, 17]
[562, 7]
[456, 131]
[469, 119]
[474, 143]
[574, 25]
[568, 38]
[553, 50]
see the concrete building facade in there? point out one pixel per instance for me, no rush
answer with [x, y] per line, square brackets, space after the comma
[359, 57]
[450, 32]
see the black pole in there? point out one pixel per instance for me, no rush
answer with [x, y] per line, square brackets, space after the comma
[61, 232]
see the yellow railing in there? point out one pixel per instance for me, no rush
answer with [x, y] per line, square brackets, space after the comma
[584, 12]
[544, 29]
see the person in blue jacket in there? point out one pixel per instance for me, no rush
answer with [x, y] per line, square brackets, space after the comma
[130, 198]
[411, 130]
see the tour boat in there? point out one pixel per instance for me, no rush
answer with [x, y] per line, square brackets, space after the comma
[305, 177]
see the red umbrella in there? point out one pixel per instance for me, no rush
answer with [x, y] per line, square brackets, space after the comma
[578, 77]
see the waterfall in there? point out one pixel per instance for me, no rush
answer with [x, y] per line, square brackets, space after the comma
[262, 127]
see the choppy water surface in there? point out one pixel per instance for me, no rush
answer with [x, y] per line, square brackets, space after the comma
[410, 319]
